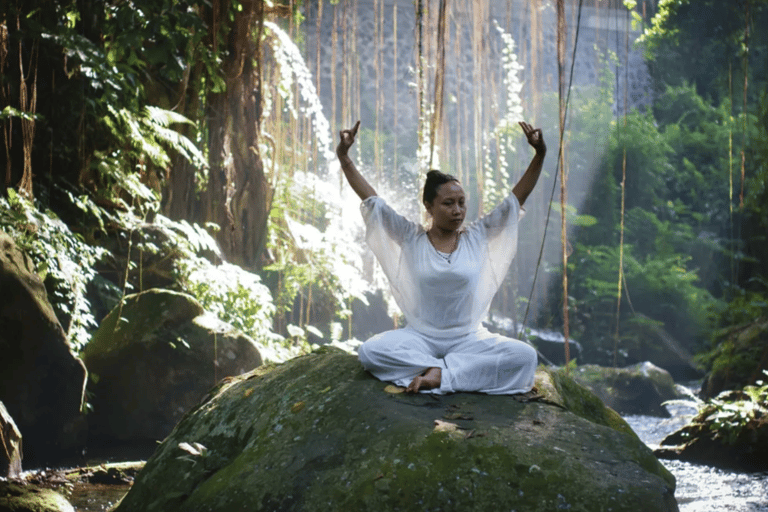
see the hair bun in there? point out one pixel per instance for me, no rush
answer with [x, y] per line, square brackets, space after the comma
[434, 179]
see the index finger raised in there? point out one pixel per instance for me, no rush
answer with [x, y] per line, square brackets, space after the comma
[354, 130]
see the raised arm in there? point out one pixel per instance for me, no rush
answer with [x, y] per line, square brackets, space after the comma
[359, 184]
[535, 138]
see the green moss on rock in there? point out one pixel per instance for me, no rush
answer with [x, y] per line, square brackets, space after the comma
[17, 497]
[636, 389]
[739, 357]
[318, 433]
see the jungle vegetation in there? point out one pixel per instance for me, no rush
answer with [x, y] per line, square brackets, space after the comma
[201, 118]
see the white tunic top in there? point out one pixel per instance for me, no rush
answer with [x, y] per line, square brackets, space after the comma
[441, 299]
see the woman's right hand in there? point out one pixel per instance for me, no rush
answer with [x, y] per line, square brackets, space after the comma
[347, 139]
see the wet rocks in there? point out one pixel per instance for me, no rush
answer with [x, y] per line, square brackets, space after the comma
[729, 432]
[318, 433]
[24, 497]
[636, 389]
[154, 358]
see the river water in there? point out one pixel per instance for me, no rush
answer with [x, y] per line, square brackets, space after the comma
[703, 488]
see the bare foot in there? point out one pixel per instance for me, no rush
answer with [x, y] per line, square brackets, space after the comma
[430, 379]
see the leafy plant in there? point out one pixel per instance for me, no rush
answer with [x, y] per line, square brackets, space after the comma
[317, 271]
[731, 413]
[232, 294]
[62, 258]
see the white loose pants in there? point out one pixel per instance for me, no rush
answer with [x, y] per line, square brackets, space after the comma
[481, 361]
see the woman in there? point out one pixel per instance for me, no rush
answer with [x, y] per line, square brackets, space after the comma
[443, 279]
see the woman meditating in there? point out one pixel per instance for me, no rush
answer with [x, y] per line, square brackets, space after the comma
[443, 279]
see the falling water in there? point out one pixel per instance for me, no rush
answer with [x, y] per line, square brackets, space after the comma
[426, 80]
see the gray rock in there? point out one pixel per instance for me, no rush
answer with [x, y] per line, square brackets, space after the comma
[319, 433]
[636, 389]
[10, 442]
[157, 362]
[42, 383]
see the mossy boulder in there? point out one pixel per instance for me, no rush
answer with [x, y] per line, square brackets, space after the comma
[319, 433]
[155, 357]
[739, 359]
[637, 389]
[41, 380]
[24, 497]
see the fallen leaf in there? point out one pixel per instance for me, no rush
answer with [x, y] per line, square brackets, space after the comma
[393, 389]
[444, 426]
[192, 450]
[326, 389]
[297, 407]
[248, 392]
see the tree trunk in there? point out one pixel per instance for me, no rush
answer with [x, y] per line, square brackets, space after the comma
[237, 195]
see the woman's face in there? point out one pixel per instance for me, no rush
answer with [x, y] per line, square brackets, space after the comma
[449, 207]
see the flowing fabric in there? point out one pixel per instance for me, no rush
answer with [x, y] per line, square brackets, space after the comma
[438, 298]
[444, 303]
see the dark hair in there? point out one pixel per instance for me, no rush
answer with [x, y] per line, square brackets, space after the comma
[433, 182]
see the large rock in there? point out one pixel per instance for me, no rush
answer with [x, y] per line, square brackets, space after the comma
[636, 389]
[318, 433]
[10, 445]
[24, 497]
[42, 382]
[739, 359]
[156, 362]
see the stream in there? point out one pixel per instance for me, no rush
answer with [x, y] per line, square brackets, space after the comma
[702, 488]
[699, 488]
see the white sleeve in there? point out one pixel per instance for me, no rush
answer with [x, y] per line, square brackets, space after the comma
[499, 228]
[385, 232]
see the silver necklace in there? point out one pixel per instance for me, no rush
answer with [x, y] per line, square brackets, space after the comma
[446, 257]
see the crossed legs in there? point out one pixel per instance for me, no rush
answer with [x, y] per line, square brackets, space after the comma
[481, 362]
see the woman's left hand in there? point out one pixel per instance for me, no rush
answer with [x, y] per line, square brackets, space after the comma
[534, 136]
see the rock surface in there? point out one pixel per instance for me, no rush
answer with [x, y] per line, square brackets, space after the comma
[42, 382]
[22, 497]
[157, 362]
[636, 389]
[10, 445]
[318, 433]
[740, 358]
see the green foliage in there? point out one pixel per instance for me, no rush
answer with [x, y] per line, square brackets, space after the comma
[660, 291]
[718, 48]
[745, 306]
[316, 271]
[730, 414]
[149, 134]
[237, 297]
[62, 258]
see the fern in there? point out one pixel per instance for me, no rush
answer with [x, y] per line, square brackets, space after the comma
[62, 259]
